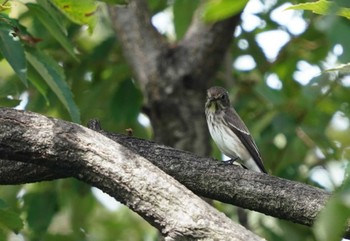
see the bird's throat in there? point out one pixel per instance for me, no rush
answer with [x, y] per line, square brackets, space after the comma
[213, 107]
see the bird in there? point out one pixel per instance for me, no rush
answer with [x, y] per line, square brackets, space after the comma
[229, 132]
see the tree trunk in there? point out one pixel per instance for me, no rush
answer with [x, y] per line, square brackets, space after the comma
[174, 77]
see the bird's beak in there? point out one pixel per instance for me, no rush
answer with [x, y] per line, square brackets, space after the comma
[211, 103]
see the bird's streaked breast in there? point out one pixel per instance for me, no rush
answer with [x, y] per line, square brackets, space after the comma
[225, 139]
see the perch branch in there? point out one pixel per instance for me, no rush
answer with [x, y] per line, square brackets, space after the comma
[73, 150]
[281, 198]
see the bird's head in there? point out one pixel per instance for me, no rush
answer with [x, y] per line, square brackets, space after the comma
[217, 99]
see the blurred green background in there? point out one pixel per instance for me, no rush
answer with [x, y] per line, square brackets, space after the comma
[275, 72]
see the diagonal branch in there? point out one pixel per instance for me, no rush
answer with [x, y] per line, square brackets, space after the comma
[141, 42]
[130, 178]
[273, 196]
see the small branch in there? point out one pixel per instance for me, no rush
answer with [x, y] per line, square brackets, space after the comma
[206, 45]
[95, 159]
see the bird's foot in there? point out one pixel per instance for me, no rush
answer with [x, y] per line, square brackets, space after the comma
[233, 161]
[229, 162]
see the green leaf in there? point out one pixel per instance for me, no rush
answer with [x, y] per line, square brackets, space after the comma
[79, 12]
[53, 74]
[39, 83]
[51, 25]
[54, 14]
[126, 102]
[3, 234]
[5, 7]
[3, 204]
[331, 222]
[6, 102]
[322, 7]
[216, 10]
[13, 51]
[156, 5]
[119, 2]
[10, 220]
[183, 11]
[40, 207]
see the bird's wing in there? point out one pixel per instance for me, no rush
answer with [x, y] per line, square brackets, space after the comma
[239, 128]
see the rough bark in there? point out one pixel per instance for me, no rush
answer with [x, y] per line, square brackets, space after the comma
[206, 177]
[73, 150]
[174, 77]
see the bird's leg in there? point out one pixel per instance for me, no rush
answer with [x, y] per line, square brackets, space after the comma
[231, 161]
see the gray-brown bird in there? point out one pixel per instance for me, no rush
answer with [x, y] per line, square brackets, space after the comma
[229, 132]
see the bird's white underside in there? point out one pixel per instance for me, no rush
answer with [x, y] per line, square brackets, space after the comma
[231, 146]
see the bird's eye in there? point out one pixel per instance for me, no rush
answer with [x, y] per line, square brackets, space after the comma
[223, 97]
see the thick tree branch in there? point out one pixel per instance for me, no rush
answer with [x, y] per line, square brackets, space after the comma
[141, 42]
[273, 196]
[20, 172]
[195, 58]
[91, 157]
[207, 177]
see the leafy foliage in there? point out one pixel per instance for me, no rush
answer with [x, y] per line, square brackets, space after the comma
[82, 12]
[338, 211]
[215, 10]
[71, 71]
[10, 220]
[183, 11]
[51, 72]
[52, 25]
[12, 49]
[323, 7]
